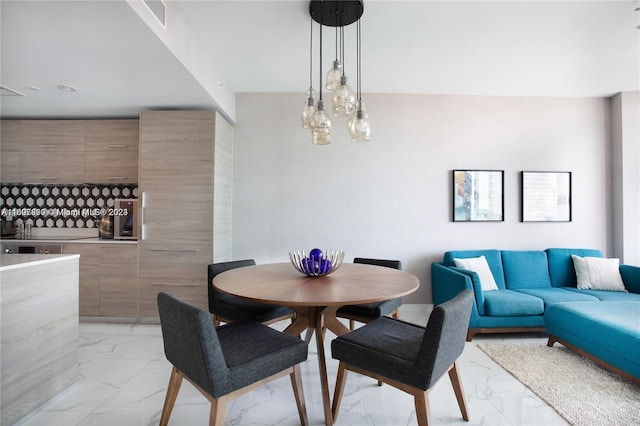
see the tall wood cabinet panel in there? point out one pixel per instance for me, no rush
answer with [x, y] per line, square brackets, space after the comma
[176, 182]
[111, 151]
[10, 151]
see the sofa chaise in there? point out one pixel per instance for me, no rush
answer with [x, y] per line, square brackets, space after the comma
[526, 283]
[606, 332]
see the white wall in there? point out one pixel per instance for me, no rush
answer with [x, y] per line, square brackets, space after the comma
[391, 197]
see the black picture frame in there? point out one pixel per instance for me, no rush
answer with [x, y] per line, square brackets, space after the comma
[478, 195]
[546, 196]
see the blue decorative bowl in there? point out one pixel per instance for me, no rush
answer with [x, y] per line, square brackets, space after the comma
[316, 263]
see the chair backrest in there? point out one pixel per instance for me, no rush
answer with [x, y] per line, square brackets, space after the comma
[191, 344]
[395, 264]
[444, 337]
[218, 268]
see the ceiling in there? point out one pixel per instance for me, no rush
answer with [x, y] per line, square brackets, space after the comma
[120, 66]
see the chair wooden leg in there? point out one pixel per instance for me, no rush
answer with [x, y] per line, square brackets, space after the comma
[423, 411]
[341, 379]
[175, 380]
[296, 382]
[218, 411]
[308, 335]
[457, 389]
[216, 320]
[352, 325]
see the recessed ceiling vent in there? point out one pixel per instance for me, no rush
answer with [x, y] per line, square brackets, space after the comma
[5, 91]
[159, 10]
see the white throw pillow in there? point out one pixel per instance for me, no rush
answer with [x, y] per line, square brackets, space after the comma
[480, 266]
[598, 273]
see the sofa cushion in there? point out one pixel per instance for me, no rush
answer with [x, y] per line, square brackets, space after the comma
[493, 257]
[598, 273]
[558, 295]
[508, 303]
[525, 269]
[606, 295]
[480, 266]
[561, 269]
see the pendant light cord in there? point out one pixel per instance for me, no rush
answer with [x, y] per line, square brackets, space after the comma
[320, 73]
[359, 62]
[310, 55]
[337, 44]
[342, 48]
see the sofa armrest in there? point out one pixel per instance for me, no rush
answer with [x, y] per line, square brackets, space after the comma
[447, 282]
[631, 277]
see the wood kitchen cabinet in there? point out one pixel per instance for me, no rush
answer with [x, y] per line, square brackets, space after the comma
[108, 278]
[118, 280]
[70, 151]
[176, 183]
[111, 151]
[52, 151]
[10, 151]
[89, 276]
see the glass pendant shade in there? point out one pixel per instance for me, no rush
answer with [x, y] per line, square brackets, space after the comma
[344, 100]
[358, 125]
[308, 109]
[320, 126]
[333, 76]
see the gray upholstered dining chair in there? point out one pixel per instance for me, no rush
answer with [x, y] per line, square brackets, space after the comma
[226, 308]
[407, 356]
[225, 362]
[367, 312]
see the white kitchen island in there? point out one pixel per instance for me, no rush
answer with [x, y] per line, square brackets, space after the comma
[38, 330]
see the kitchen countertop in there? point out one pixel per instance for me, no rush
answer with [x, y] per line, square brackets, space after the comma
[64, 240]
[22, 260]
[63, 236]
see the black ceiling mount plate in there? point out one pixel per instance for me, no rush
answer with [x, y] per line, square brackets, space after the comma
[336, 13]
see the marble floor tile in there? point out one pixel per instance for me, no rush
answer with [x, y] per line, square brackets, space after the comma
[124, 377]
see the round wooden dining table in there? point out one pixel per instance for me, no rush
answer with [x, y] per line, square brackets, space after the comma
[315, 300]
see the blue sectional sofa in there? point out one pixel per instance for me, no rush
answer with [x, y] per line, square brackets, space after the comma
[607, 332]
[528, 282]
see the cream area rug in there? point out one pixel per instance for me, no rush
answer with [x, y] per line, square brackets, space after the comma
[582, 392]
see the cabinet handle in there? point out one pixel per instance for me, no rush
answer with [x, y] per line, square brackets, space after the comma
[49, 146]
[175, 284]
[117, 145]
[117, 177]
[176, 250]
[143, 228]
[48, 177]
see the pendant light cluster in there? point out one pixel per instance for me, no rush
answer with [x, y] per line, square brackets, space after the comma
[344, 102]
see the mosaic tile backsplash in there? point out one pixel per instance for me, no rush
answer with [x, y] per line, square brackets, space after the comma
[60, 206]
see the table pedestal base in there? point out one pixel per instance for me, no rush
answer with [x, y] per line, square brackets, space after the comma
[315, 319]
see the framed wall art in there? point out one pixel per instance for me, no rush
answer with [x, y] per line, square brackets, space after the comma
[546, 196]
[478, 195]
